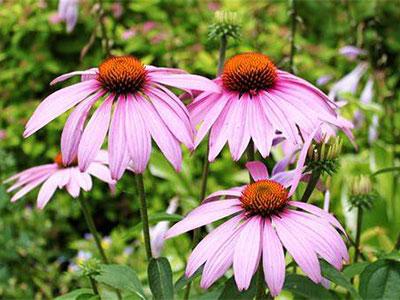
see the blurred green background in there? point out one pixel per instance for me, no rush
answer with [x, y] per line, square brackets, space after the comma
[41, 250]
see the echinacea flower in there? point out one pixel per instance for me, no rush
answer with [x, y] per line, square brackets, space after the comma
[68, 11]
[143, 109]
[262, 221]
[57, 175]
[256, 102]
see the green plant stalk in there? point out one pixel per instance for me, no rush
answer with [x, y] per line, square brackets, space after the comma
[311, 185]
[293, 13]
[104, 29]
[358, 234]
[206, 163]
[143, 215]
[92, 228]
[94, 285]
[397, 246]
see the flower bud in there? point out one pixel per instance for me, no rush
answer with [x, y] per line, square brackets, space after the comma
[225, 24]
[362, 194]
[323, 156]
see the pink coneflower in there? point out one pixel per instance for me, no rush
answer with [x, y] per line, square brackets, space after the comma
[57, 175]
[262, 222]
[257, 101]
[143, 109]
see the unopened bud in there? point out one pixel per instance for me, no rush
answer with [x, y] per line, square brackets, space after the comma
[225, 24]
[362, 192]
[324, 155]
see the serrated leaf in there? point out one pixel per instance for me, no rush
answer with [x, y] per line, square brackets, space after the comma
[381, 280]
[75, 294]
[160, 279]
[338, 278]
[302, 286]
[231, 291]
[122, 278]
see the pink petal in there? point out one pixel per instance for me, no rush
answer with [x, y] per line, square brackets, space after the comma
[318, 212]
[165, 140]
[94, 134]
[117, 140]
[239, 136]
[273, 259]
[30, 186]
[101, 172]
[211, 117]
[178, 124]
[220, 131]
[73, 187]
[66, 76]
[58, 103]
[201, 105]
[247, 252]
[219, 263]
[85, 181]
[305, 256]
[284, 163]
[206, 248]
[185, 81]
[72, 132]
[257, 170]
[48, 188]
[137, 134]
[235, 192]
[33, 176]
[29, 172]
[205, 214]
[261, 129]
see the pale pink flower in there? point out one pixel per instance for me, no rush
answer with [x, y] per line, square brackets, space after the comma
[143, 109]
[68, 11]
[351, 52]
[117, 9]
[149, 25]
[55, 18]
[3, 134]
[262, 221]
[127, 34]
[57, 175]
[259, 102]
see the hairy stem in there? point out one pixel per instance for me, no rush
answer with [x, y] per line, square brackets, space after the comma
[92, 228]
[94, 285]
[311, 185]
[143, 215]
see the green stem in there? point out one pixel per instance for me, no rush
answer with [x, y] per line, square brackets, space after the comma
[104, 29]
[92, 228]
[397, 246]
[206, 164]
[94, 285]
[358, 234]
[143, 215]
[293, 13]
[311, 185]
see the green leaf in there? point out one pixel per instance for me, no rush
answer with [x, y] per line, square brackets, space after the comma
[75, 294]
[160, 278]
[183, 280]
[122, 278]
[354, 269]
[381, 280]
[395, 255]
[337, 277]
[302, 286]
[385, 170]
[230, 291]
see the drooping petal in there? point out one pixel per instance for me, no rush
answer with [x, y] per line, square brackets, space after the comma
[73, 186]
[58, 103]
[30, 186]
[257, 170]
[29, 172]
[33, 176]
[220, 262]
[101, 172]
[261, 129]
[180, 127]
[185, 82]
[284, 163]
[85, 181]
[201, 105]
[72, 132]
[273, 259]
[137, 134]
[247, 252]
[48, 188]
[234, 192]
[94, 134]
[239, 136]
[206, 248]
[305, 257]
[117, 140]
[165, 140]
[205, 214]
